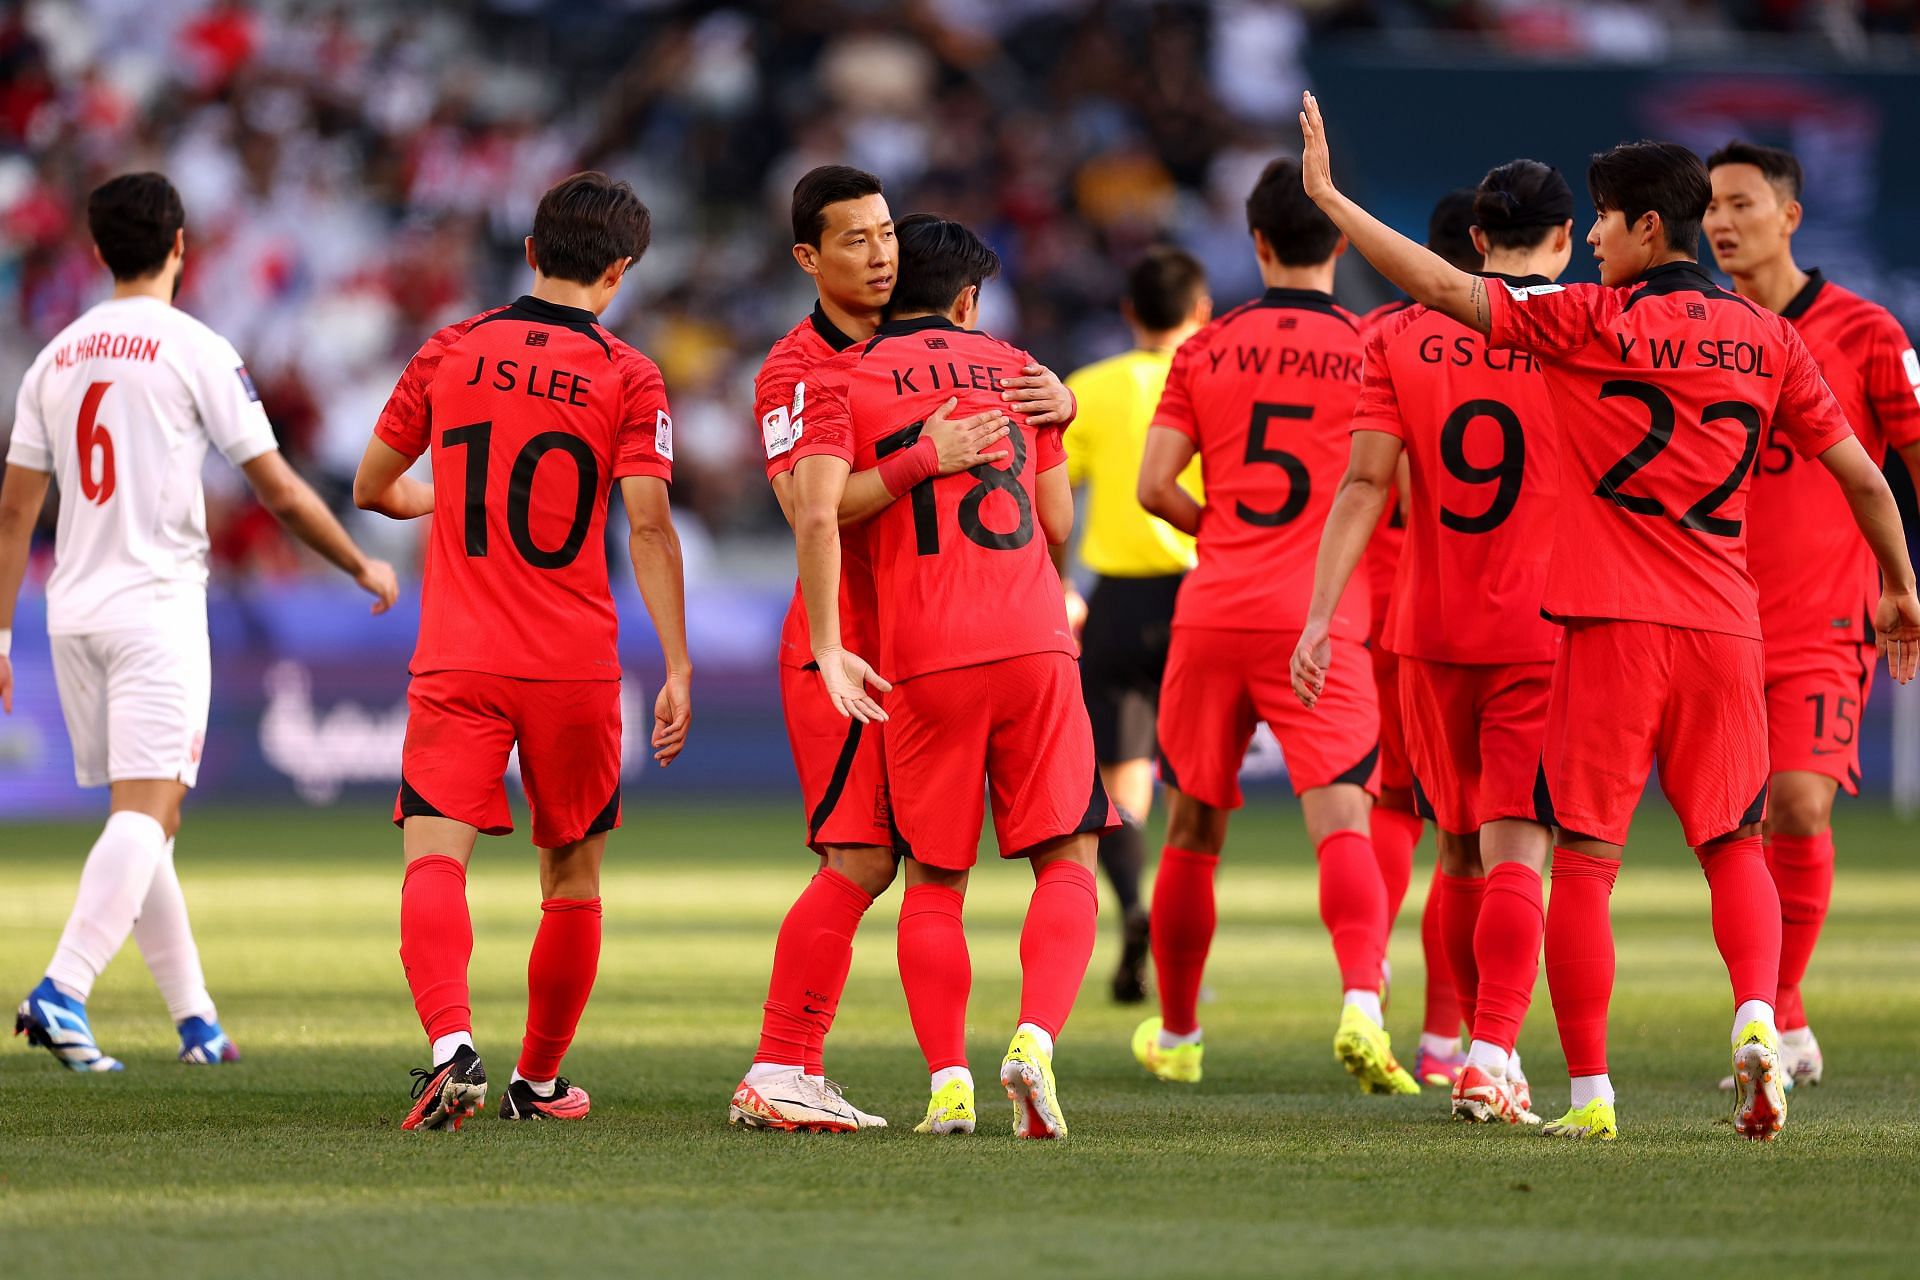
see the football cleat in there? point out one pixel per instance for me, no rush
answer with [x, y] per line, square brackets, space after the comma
[1480, 1097]
[1440, 1072]
[449, 1093]
[1595, 1120]
[792, 1101]
[1802, 1060]
[1178, 1065]
[55, 1021]
[1130, 979]
[567, 1102]
[1363, 1047]
[1522, 1091]
[1027, 1076]
[205, 1044]
[1759, 1100]
[950, 1110]
[865, 1119]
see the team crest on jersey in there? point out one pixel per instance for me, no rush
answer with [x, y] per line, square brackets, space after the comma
[663, 434]
[246, 380]
[1696, 311]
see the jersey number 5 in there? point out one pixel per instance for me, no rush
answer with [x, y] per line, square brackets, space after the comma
[92, 437]
[476, 437]
[926, 510]
[1300, 480]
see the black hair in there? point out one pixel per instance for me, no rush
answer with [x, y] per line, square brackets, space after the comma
[1280, 209]
[938, 258]
[587, 223]
[1450, 230]
[1163, 287]
[822, 186]
[1638, 178]
[1520, 203]
[1780, 167]
[134, 219]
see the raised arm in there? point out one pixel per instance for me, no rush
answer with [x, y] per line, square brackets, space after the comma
[653, 545]
[1373, 467]
[21, 496]
[1166, 455]
[1896, 620]
[295, 505]
[1424, 275]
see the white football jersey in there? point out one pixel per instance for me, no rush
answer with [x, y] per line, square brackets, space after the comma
[120, 409]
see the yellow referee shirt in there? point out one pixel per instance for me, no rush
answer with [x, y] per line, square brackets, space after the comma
[1117, 398]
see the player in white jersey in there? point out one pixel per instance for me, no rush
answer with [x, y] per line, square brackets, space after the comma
[119, 410]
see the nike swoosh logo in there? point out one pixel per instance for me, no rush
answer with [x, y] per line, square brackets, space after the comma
[1828, 751]
[807, 1008]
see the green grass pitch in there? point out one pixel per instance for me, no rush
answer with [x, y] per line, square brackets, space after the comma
[293, 1162]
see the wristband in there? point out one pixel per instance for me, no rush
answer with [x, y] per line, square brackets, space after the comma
[6, 642]
[901, 471]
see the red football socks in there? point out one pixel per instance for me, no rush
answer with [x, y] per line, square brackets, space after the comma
[1353, 905]
[1506, 951]
[436, 943]
[811, 958]
[936, 972]
[560, 973]
[1803, 872]
[1056, 942]
[1746, 917]
[1458, 909]
[1395, 832]
[1183, 922]
[1580, 956]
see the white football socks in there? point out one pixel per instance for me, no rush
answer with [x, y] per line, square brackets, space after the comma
[1368, 1002]
[1440, 1046]
[443, 1048]
[1798, 1038]
[541, 1088]
[761, 1072]
[1753, 1011]
[946, 1075]
[114, 882]
[166, 943]
[1041, 1034]
[1490, 1058]
[1168, 1040]
[1587, 1088]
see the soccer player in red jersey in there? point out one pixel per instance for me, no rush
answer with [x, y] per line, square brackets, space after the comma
[1674, 383]
[1476, 658]
[843, 236]
[1264, 395]
[973, 632]
[1396, 822]
[531, 411]
[1816, 576]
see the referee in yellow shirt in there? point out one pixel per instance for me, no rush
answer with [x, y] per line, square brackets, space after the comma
[1127, 619]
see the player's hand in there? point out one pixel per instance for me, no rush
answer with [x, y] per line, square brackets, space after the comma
[6, 684]
[1311, 658]
[1076, 614]
[378, 580]
[847, 676]
[672, 713]
[1038, 395]
[1896, 622]
[1316, 163]
[964, 442]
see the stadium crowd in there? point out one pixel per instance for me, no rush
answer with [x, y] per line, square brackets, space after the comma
[355, 176]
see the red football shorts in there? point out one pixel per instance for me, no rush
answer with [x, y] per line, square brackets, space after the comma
[1396, 765]
[1628, 694]
[461, 725]
[1221, 684]
[1815, 695]
[841, 763]
[1016, 729]
[1475, 735]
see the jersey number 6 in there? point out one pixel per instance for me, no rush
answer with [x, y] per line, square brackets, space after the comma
[93, 436]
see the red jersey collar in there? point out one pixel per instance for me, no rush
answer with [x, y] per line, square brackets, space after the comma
[893, 328]
[1803, 300]
[829, 332]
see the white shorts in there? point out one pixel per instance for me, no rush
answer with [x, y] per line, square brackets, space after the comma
[135, 703]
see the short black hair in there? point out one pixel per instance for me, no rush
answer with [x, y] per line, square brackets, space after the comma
[1519, 204]
[1778, 166]
[1638, 178]
[822, 186]
[1279, 209]
[587, 223]
[1450, 230]
[134, 219]
[938, 258]
[1163, 287]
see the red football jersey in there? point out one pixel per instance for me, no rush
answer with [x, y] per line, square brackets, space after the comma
[780, 402]
[1483, 451]
[1817, 576]
[1266, 392]
[960, 565]
[1664, 388]
[532, 411]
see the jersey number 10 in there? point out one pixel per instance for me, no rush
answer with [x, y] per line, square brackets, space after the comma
[476, 438]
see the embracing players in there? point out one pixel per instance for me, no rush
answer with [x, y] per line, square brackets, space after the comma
[532, 412]
[843, 237]
[121, 408]
[1675, 383]
[973, 633]
[1816, 576]
[1476, 658]
[1264, 396]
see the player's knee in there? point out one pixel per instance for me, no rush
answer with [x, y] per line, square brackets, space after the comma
[1396, 798]
[1195, 826]
[1459, 854]
[1336, 808]
[870, 867]
[1800, 805]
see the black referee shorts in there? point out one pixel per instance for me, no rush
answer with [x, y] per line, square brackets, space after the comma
[1123, 654]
